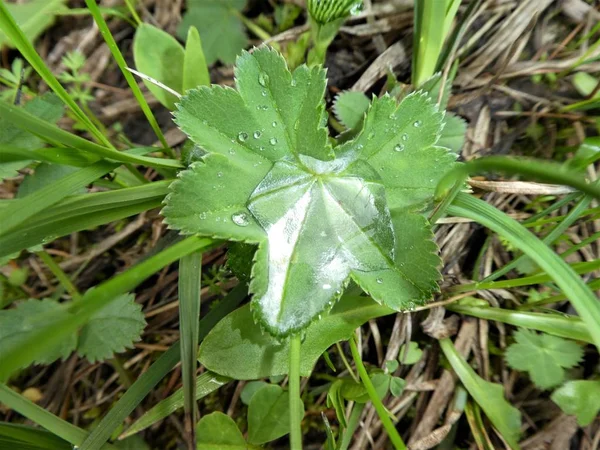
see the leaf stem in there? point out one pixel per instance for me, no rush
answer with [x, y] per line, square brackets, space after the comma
[61, 276]
[381, 411]
[294, 393]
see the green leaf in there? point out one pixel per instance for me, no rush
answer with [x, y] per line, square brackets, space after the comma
[33, 17]
[326, 11]
[271, 177]
[217, 431]
[43, 176]
[350, 108]
[585, 83]
[211, 17]
[453, 134]
[16, 323]
[195, 70]
[411, 354]
[397, 385]
[112, 329]
[580, 398]
[490, 396]
[542, 355]
[132, 443]
[250, 389]
[238, 348]
[159, 55]
[269, 414]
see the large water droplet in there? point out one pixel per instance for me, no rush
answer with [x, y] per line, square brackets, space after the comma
[257, 134]
[243, 136]
[399, 147]
[379, 281]
[417, 123]
[263, 79]
[273, 141]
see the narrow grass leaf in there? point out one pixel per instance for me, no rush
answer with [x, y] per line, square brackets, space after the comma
[10, 28]
[190, 273]
[22, 437]
[564, 326]
[489, 396]
[52, 133]
[203, 385]
[46, 337]
[39, 415]
[156, 372]
[118, 57]
[581, 296]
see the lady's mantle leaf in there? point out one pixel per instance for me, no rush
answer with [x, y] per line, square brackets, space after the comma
[320, 217]
[217, 431]
[112, 329]
[28, 316]
[544, 356]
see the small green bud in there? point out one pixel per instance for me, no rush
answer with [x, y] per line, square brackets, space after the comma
[325, 11]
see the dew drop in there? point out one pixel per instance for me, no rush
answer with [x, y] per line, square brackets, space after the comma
[371, 136]
[243, 136]
[399, 147]
[263, 79]
[262, 149]
[264, 107]
[294, 83]
[240, 219]
[326, 286]
[257, 134]
[274, 124]
[405, 137]
[411, 306]
[231, 151]
[273, 141]
[379, 281]
[264, 93]
[338, 292]
[219, 174]
[417, 123]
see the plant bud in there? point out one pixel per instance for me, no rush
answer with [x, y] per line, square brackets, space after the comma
[325, 11]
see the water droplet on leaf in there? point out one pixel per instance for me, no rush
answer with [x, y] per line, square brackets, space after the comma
[326, 286]
[274, 124]
[273, 141]
[405, 137]
[243, 136]
[240, 219]
[417, 123]
[379, 281]
[257, 134]
[399, 147]
[263, 79]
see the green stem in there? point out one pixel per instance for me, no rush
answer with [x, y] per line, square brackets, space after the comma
[133, 12]
[381, 411]
[294, 393]
[61, 276]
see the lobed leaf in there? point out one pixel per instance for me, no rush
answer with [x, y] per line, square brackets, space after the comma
[320, 216]
[543, 356]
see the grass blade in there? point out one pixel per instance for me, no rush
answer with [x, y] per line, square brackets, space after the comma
[22, 209]
[567, 327]
[157, 371]
[205, 384]
[117, 55]
[52, 133]
[14, 436]
[580, 295]
[190, 272]
[94, 300]
[39, 415]
[15, 34]
[490, 396]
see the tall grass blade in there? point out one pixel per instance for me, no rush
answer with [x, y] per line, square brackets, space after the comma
[190, 272]
[157, 371]
[39, 415]
[36, 342]
[118, 56]
[580, 295]
[18, 38]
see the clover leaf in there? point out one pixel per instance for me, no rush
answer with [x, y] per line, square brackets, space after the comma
[321, 215]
